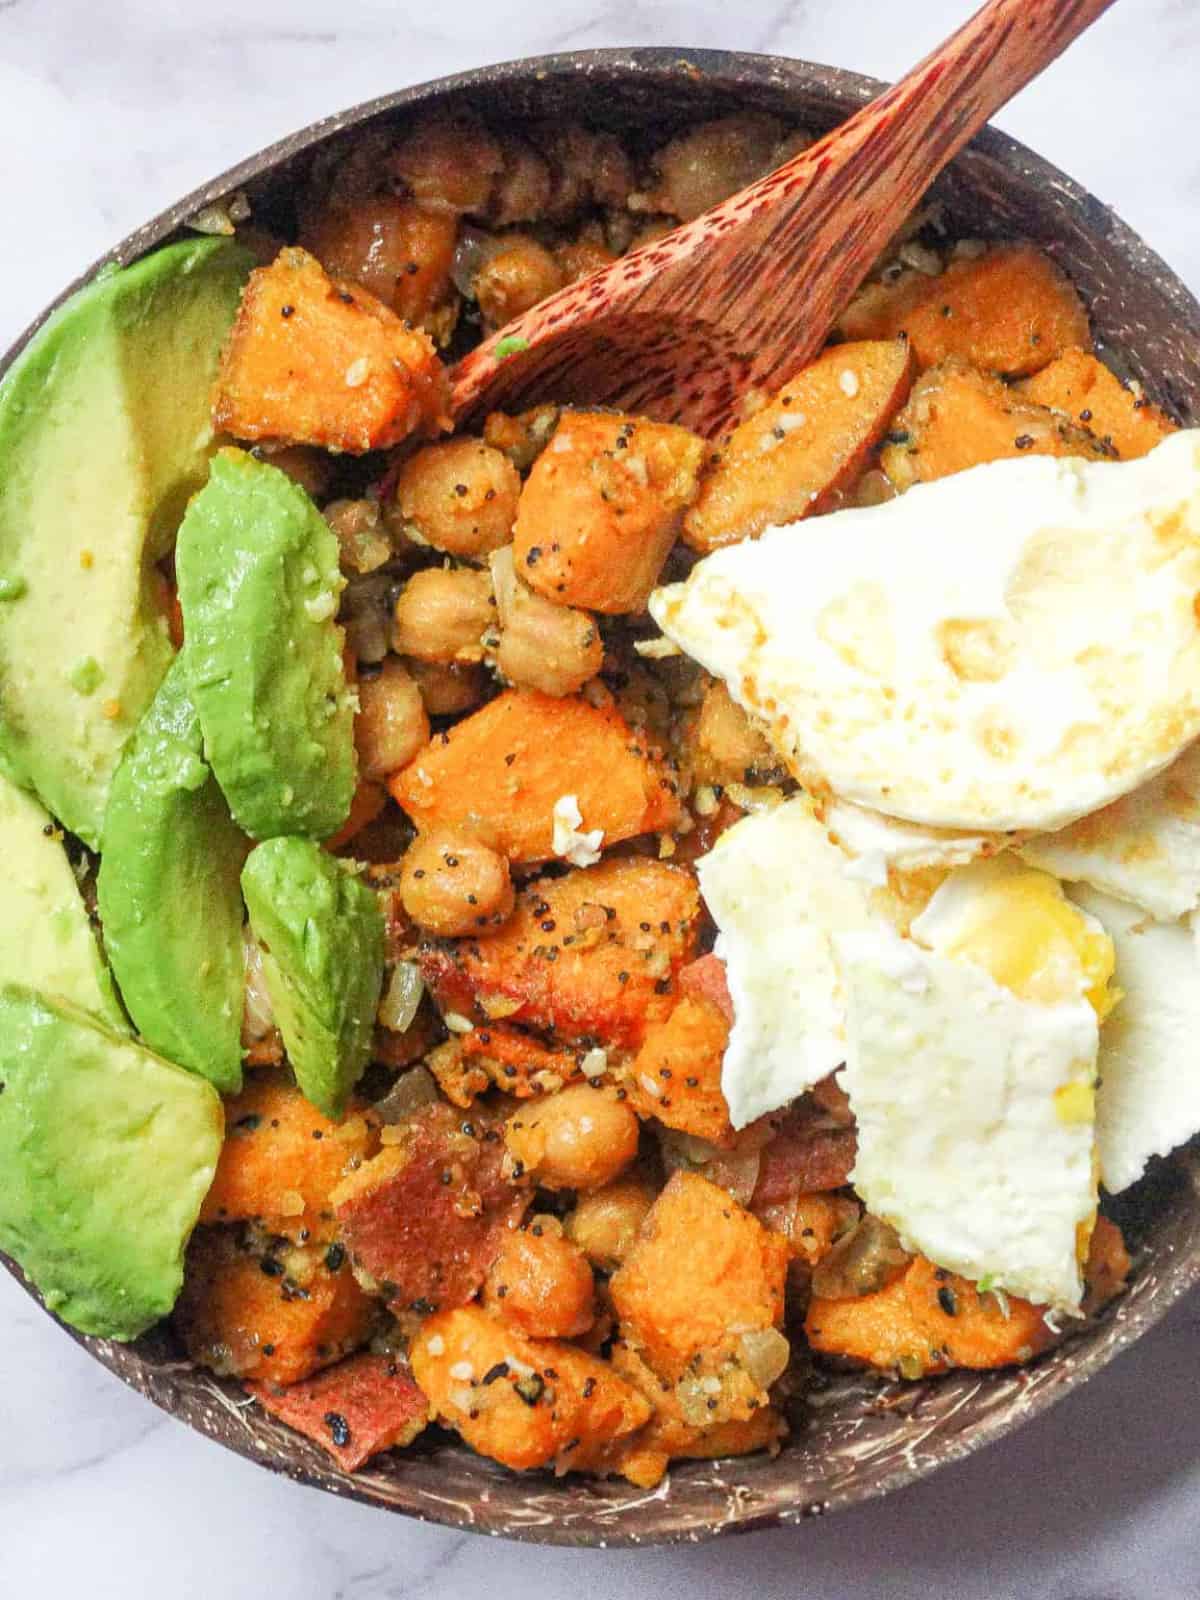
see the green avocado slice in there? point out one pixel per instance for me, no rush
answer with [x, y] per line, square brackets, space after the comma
[169, 892]
[104, 433]
[44, 932]
[259, 584]
[322, 938]
[107, 1153]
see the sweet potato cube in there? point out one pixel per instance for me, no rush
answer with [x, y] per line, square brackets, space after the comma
[601, 507]
[281, 1159]
[1084, 389]
[643, 1457]
[523, 1402]
[501, 772]
[1009, 310]
[354, 1410]
[276, 1318]
[705, 978]
[676, 1075]
[589, 956]
[926, 1321]
[791, 459]
[315, 360]
[426, 1218]
[958, 418]
[518, 1063]
[703, 1273]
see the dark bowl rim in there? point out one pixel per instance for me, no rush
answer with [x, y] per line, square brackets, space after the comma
[736, 72]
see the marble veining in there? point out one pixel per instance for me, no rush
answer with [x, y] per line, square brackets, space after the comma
[107, 113]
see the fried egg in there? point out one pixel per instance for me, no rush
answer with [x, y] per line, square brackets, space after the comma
[1011, 647]
[1144, 848]
[880, 846]
[975, 1111]
[1148, 1100]
[778, 890]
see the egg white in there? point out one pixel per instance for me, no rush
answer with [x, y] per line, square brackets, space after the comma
[1011, 647]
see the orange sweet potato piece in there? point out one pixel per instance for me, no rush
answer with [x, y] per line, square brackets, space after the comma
[1010, 311]
[791, 459]
[426, 1218]
[702, 1273]
[281, 1159]
[958, 418]
[601, 507]
[523, 1402]
[354, 1410]
[590, 955]
[501, 771]
[518, 1063]
[676, 1075]
[1084, 389]
[1108, 1265]
[705, 979]
[928, 1320]
[644, 1456]
[277, 1318]
[315, 360]
[368, 801]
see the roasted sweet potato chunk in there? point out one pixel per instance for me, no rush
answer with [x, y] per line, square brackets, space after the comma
[1084, 389]
[501, 772]
[589, 956]
[523, 1402]
[520, 1064]
[426, 1218]
[354, 1410]
[958, 418]
[1008, 310]
[316, 360]
[276, 1317]
[703, 1275]
[601, 508]
[791, 459]
[644, 1456]
[926, 1321]
[676, 1075]
[705, 978]
[281, 1159]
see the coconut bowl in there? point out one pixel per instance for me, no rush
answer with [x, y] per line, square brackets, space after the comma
[859, 1436]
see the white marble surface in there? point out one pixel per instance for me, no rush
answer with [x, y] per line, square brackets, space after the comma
[109, 109]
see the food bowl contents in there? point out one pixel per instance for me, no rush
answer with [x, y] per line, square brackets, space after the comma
[654, 916]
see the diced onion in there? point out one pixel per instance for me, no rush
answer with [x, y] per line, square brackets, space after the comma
[400, 1000]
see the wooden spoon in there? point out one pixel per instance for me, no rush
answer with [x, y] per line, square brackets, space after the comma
[746, 294]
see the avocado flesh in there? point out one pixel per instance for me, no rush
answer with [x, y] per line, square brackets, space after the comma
[322, 938]
[104, 433]
[259, 585]
[107, 1153]
[169, 892]
[45, 933]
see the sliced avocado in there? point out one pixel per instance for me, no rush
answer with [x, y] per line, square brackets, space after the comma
[170, 895]
[104, 433]
[107, 1152]
[322, 939]
[259, 585]
[45, 937]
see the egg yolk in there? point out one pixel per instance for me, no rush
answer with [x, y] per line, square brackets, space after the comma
[1028, 936]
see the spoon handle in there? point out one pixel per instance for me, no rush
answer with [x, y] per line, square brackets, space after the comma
[747, 293]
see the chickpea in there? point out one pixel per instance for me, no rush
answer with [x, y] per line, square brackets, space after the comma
[579, 1138]
[700, 168]
[451, 885]
[459, 496]
[442, 615]
[447, 687]
[605, 1224]
[392, 723]
[542, 645]
[310, 468]
[400, 250]
[515, 278]
[542, 1283]
[522, 192]
[579, 257]
[363, 544]
[450, 164]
